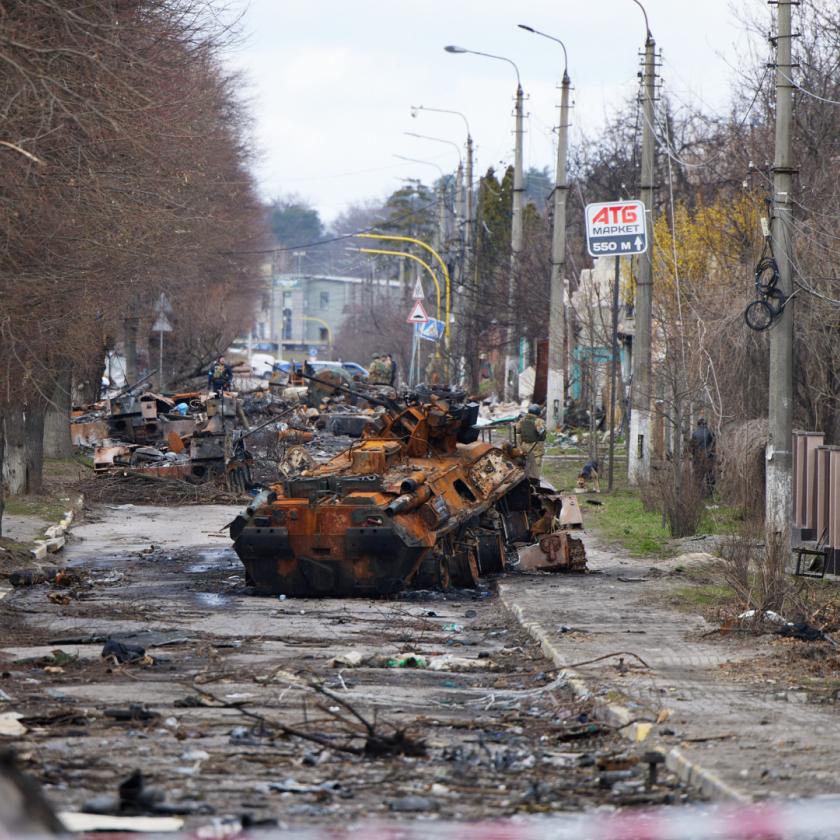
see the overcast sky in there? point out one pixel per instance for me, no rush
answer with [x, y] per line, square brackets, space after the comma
[331, 82]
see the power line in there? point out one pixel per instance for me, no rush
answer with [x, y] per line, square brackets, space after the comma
[671, 153]
[810, 93]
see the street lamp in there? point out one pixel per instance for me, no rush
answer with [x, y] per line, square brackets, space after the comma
[441, 236]
[424, 162]
[641, 390]
[438, 140]
[551, 38]
[510, 388]
[415, 109]
[555, 386]
[467, 216]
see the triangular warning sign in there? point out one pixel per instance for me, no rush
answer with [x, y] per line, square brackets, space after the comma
[418, 314]
[417, 294]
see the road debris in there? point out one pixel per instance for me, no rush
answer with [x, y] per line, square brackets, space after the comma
[262, 706]
[10, 726]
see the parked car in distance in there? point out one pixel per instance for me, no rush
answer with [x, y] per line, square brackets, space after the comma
[355, 368]
[349, 367]
[262, 364]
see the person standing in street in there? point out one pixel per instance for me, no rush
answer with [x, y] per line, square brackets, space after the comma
[532, 433]
[220, 376]
[378, 373]
[392, 371]
[702, 446]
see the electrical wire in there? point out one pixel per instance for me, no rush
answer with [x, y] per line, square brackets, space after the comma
[350, 174]
[672, 154]
[797, 86]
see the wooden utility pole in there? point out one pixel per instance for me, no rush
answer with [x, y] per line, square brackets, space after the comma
[638, 445]
[780, 410]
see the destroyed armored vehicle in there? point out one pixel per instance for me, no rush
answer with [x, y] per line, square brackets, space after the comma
[418, 502]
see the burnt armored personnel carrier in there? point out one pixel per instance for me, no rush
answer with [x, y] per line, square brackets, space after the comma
[418, 501]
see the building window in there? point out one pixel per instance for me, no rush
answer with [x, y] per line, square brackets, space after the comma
[325, 334]
[287, 324]
[325, 300]
[287, 298]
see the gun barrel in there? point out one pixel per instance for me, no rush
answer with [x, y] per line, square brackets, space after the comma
[383, 401]
[127, 389]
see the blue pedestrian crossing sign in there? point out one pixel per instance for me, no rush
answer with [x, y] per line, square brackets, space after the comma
[432, 330]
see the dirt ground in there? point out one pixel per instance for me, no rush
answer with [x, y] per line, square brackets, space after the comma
[240, 709]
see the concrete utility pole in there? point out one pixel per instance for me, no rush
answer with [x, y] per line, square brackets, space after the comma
[468, 211]
[639, 443]
[511, 390]
[780, 411]
[557, 306]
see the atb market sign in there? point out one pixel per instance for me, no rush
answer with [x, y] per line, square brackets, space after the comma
[616, 228]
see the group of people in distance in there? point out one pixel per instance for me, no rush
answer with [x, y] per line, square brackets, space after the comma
[532, 434]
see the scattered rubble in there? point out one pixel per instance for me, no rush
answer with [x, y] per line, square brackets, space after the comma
[230, 441]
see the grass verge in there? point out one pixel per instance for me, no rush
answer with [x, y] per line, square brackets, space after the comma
[618, 516]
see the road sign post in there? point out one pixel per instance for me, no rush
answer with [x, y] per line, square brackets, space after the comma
[616, 229]
[161, 326]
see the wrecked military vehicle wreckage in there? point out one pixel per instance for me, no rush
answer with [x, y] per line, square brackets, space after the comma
[418, 502]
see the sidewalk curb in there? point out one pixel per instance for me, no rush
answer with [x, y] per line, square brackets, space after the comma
[688, 771]
[56, 535]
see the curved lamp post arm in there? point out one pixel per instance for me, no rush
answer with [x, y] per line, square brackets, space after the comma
[424, 162]
[550, 38]
[410, 257]
[454, 49]
[440, 262]
[437, 140]
[416, 108]
[648, 33]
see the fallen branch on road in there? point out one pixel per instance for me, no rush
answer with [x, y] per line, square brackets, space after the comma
[377, 743]
[136, 488]
[608, 656]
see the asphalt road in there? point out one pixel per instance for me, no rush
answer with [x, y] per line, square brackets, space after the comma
[290, 710]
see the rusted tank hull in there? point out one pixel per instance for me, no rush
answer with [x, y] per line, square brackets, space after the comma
[361, 561]
[294, 546]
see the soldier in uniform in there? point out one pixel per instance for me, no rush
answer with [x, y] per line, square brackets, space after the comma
[220, 376]
[379, 372]
[531, 428]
